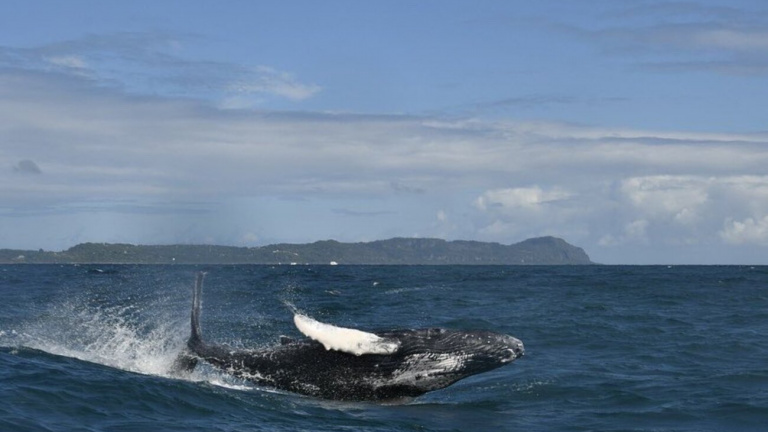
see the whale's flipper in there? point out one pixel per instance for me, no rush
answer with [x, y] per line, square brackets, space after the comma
[344, 339]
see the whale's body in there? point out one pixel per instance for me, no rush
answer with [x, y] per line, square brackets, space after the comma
[348, 364]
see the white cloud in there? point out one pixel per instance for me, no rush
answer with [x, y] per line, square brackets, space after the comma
[150, 63]
[635, 231]
[509, 213]
[686, 199]
[513, 199]
[601, 188]
[747, 231]
[268, 80]
[688, 210]
[96, 140]
[676, 197]
[68, 61]
[686, 36]
[500, 229]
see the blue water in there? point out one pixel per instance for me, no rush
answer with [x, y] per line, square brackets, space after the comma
[608, 348]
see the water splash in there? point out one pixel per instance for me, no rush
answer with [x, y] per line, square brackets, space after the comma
[114, 336]
[143, 338]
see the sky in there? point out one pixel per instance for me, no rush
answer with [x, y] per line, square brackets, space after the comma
[635, 130]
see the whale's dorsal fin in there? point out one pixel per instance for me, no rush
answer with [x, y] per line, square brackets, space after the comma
[344, 339]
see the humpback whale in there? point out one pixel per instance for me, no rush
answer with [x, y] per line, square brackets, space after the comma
[348, 364]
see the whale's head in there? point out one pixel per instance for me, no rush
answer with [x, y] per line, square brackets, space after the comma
[434, 358]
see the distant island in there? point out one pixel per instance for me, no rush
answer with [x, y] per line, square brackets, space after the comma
[413, 251]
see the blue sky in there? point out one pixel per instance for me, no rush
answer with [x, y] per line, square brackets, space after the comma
[637, 130]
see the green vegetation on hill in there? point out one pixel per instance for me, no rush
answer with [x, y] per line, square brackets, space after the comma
[541, 250]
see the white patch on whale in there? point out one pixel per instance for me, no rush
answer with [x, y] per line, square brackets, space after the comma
[344, 339]
[428, 365]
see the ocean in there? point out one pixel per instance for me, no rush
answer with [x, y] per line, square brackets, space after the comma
[608, 348]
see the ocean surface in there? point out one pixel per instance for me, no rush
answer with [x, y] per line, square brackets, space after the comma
[608, 348]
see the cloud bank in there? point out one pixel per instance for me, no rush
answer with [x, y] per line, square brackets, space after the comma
[154, 63]
[685, 36]
[108, 152]
[129, 137]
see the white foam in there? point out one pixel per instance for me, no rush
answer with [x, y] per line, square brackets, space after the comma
[123, 337]
[344, 339]
[110, 340]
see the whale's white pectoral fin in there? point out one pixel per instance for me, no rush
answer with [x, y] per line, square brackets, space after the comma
[344, 339]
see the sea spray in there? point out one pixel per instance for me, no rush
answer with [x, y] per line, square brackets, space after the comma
[114, 336]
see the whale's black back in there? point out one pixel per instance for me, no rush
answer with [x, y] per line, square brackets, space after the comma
[426, 359]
